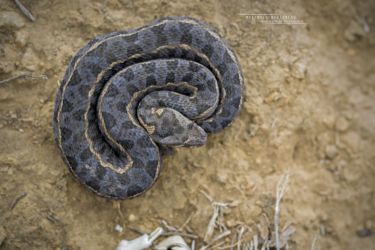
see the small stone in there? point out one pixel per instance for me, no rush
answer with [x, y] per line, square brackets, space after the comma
[132, 217]
[258, 160]
[255, 211]
[364, 232]
[11, 20]
[354, 32]
[341, 165]
[6, 67]
[324, 217]
[21, 38]
[273, 97]
[231, 223]
[222, 177]
[118, 228]
[329, 120]
[331, 151]
[299, 70]
[30, 60]
[342, 124]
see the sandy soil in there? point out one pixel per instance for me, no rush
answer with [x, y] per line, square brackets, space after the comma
[309, 111]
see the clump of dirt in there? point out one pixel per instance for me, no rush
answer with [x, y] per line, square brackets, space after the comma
[309, 111]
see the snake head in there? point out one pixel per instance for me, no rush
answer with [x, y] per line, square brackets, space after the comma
[169, 127]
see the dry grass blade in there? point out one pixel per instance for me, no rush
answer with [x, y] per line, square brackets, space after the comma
[171, 231]
[211, 224]
[215, 246]
[168, 227]
[220, 236]
[12, 78]
[23, 75]
[255, 242]
[217, 216]
[187, 235]
[281, 186]
[186, 222]
[24, 10]
[315, 240]
[240, 234]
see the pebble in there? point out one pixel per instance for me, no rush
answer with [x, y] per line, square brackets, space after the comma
[11, 20]
[132, 217]
[273, 97]
[329, 120]
[324, 217]
[21, 38]
[231, 223]
[364, 232]
[331, 151]
[342, 164]
[6, 67]
[299, 70]
[118, 228]
[342, 124]
[354, 31]
[222, 177]
[30, 60]
[255, 211]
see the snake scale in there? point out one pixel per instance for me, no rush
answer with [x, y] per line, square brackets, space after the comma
[126, 95]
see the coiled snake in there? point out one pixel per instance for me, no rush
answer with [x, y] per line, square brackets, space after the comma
[126, 94]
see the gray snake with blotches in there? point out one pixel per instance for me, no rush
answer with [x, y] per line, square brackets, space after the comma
[126, 95]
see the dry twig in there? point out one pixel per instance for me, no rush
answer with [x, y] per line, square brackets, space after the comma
[17, 199]
[23, 75]
[170, 230]
[24, 10]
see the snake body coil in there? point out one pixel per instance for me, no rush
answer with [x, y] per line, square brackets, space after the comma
[125, 94]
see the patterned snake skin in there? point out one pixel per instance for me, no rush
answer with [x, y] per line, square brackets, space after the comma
[126, 95]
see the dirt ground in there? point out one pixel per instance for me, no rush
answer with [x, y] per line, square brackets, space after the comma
[309, 112]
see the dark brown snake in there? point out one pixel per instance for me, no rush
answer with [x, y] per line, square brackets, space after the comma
[125, 95]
